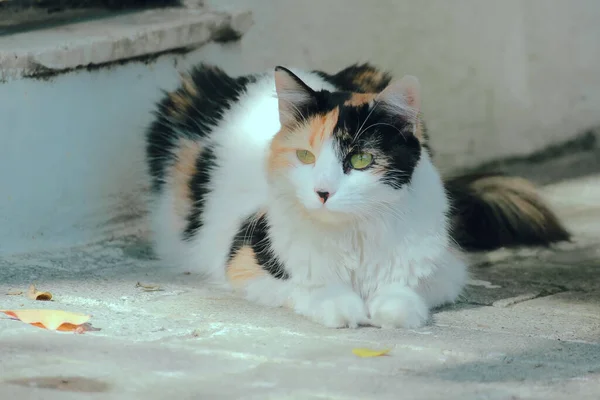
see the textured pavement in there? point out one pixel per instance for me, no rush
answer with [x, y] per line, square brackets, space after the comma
[528, 327]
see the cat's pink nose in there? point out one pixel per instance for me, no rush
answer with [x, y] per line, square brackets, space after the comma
[323, 195]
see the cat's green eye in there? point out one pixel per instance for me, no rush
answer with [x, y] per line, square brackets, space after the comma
[305, 156]
[361, 160]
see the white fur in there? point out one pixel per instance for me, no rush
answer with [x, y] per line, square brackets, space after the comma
[371, 254]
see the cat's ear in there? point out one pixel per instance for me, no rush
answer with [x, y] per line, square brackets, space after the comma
[292, 95]
[403, 98]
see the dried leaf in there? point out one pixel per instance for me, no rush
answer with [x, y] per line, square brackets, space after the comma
[35, 294]
[14, 293]
[364, 353]
[49, 319]
[148, 288]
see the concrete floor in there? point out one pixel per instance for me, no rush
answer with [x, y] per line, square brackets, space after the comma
[528, 327]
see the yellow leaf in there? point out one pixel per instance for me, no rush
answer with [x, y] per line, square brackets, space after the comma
[49, 319]
[35, 294]
[370, 353]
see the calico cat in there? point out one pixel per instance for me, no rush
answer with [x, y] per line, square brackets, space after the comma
[317, 192]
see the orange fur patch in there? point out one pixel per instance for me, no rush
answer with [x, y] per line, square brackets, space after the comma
[321, 128]
[419, 131]
[260, 214]
[188, 85]
[358, 99]
[182, 99]
[370, 80]
[244, 267]
[180, 104]
[309, 136]
[181, 174]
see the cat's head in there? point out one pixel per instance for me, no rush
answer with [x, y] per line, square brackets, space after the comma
[343, 155]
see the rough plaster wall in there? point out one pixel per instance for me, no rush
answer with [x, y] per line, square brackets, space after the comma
[499, 77]
[72, 153]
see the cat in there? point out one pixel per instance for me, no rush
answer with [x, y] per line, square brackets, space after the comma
[317, 192]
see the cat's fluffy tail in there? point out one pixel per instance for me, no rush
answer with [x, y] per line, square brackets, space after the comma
[492, 210]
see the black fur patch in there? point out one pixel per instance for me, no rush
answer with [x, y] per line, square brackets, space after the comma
[215, 91]
[199, 188]
[395, 148]
[478, 223]
[359, 78]
[254, 232]
[366, 78]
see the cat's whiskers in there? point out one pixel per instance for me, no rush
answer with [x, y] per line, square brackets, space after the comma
[385, 210]
[386, 124]
[249, 232]
[359, 130]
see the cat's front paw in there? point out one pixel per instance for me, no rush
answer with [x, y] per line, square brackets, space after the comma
[398, 306]
[336, 307]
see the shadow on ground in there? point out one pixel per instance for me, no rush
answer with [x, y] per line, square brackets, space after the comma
[557, 361]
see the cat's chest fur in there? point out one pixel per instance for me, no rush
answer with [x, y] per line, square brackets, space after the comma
[362, 258]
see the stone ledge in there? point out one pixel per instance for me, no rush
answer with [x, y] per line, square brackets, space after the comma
[107, 40]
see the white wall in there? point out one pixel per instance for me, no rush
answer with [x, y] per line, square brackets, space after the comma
[499, 77]
[72, 154]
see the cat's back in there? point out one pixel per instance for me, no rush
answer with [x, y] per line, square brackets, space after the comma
[213, 107]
